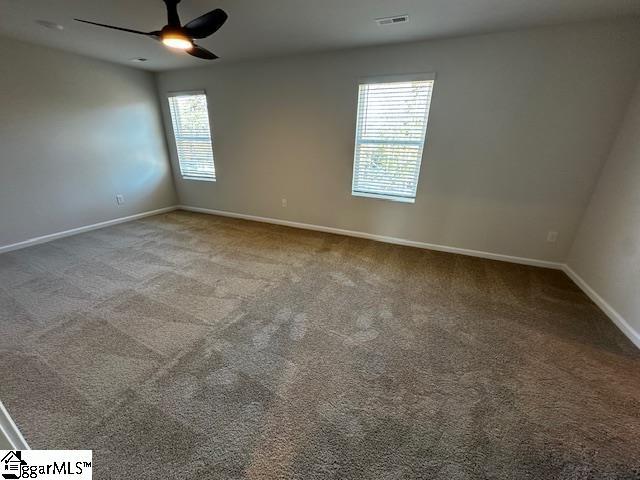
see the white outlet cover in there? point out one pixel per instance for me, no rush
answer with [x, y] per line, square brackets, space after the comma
[119, 199]
[552, 237]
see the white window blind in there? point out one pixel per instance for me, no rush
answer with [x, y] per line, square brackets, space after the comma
[390, 134]
[190, 119]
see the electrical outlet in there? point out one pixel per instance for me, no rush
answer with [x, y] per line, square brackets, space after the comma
[284, 203]
[120, 199]
[552, 237]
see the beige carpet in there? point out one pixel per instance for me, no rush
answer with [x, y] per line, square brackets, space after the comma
[192, 346]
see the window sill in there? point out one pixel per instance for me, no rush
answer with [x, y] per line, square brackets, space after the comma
[199, 179]
[384, 197]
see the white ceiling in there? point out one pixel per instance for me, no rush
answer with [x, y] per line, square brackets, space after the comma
[259, 28]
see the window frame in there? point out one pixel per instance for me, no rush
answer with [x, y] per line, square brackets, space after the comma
[186, 93]
[395, 78]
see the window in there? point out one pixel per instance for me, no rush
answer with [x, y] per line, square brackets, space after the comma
[390, 134]
[190, 120]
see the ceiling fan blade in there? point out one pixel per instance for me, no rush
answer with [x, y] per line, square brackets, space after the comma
[203, 53]
[206, 24]
[151, 34]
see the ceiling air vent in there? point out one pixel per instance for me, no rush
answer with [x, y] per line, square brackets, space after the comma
[392, 20]
[50, 25]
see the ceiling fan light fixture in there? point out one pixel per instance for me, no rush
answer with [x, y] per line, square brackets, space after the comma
[177, 36]
[178, 41]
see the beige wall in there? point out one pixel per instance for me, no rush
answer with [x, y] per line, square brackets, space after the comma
[74, 132]
[520, 125]
[606, 253]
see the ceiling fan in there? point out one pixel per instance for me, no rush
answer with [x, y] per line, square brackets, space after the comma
[181, 37]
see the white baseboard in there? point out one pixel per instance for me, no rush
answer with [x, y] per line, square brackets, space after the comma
[615, 317]
[10, 432]
[380, 238]
[86, 228]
